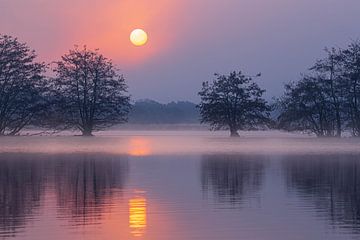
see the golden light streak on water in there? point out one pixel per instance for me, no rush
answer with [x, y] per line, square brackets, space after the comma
[137, 216]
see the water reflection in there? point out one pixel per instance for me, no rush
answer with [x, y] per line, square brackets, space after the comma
[137, 215]
[92, 196]
[81, 184]
[85, 183]
[139, 146]
[331, 183]
[21, 190]
[232, 178]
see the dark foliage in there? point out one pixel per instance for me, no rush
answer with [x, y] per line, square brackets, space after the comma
[233, 102]
[306, 107]
[89, 94]
[326, 101]
[22, 86]
[350, 59]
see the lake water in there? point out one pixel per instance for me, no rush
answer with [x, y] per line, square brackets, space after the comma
[151, 185]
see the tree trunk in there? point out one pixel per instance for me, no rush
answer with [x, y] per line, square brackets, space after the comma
[233, 132]
[87, 133]
[338, 124]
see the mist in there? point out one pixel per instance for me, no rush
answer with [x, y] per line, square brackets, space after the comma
[180, 142]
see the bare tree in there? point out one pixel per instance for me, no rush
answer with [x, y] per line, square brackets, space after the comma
[233, 102]
[21, 86]
[90, 94]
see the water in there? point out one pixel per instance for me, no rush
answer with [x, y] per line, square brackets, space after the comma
[199, 187]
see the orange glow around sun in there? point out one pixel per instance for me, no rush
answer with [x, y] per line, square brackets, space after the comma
[115, 20]
[105, 25]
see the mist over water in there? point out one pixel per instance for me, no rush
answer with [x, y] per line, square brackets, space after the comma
[180, 142]
[179, 185]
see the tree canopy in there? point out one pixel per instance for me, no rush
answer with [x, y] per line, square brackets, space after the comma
[22, 86]
[326, 100]
[234, 102]
[89, 92]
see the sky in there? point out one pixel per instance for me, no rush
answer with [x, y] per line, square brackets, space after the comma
[189, 40]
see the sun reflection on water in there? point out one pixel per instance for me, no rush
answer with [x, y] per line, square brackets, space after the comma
[137, 216]
[139, 147]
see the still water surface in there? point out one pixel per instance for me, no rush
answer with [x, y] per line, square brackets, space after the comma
[197, 195]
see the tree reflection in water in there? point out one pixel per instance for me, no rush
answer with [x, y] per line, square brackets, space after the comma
[21, 190]
[232, 178]
[331, 183]
[83, 185]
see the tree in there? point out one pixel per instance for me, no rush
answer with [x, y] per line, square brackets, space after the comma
[233, 102]
[21, 86]
[330, 74]
[327, 101]
[89, 92]
[351, 73]
[316, 102]
[305, 106]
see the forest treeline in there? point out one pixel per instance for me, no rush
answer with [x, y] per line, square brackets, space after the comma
[84, 91]
[152, 112]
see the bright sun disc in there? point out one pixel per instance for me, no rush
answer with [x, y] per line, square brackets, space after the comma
[138, 37]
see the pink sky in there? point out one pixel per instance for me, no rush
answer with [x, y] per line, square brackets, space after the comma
[189, 40]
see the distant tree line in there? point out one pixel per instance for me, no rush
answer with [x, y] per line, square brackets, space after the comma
[152, 112]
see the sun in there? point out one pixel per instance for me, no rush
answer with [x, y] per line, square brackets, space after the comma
[138, 37]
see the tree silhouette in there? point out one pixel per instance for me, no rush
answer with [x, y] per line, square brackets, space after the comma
[233, 102]
[351, 69]
[327, 100]
[305, 107]
[89, 92]
[329, 72]
[316, 102]
[21, 86]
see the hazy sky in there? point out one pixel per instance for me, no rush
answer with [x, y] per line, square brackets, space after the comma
[189, 40]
